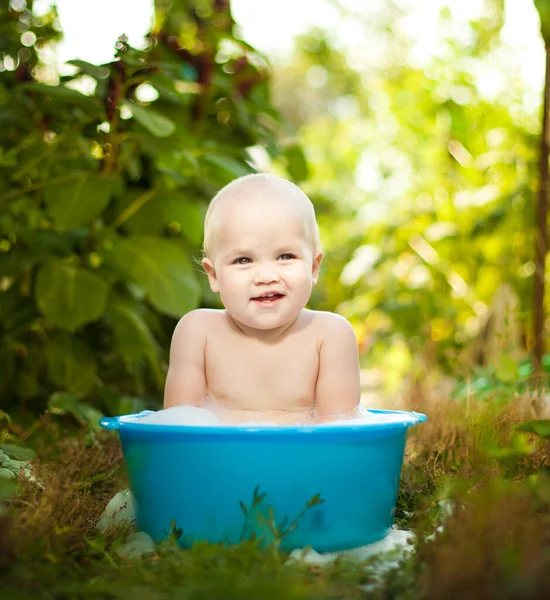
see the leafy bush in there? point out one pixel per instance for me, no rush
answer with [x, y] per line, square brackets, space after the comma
[102, 197]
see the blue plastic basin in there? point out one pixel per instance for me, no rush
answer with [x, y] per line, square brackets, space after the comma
[205, 480]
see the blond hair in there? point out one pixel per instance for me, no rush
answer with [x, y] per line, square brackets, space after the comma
[261, 180]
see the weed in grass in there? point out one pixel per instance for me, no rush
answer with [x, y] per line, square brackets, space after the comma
[271, 532]
[55, 518]
[460, 438]
[495, 544]
[247, 532]
[281, 530]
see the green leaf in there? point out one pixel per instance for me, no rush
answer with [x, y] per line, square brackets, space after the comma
[133, 337]
[69, 296]
[18, 452]
[65, 94]
[525, 370]
[8, 487]
[130, 404]
[506, 369]
[540, 427]
[62, 402]
[163, 269]
[95, 71]
[229, 165]
[257, 498]
[519, 445]
[177, 207]
[44, 242]
[543, 7]
[26, 385]
[315, 500]
[148, 219]
[75, 203]
[71, 364]
[296, 163]
[156, 124]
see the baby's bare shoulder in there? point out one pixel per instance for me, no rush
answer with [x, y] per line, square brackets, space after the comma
[332, 329]
[329, 322]
[198, 322]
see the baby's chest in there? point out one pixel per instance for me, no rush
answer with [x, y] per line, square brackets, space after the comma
[290, 368]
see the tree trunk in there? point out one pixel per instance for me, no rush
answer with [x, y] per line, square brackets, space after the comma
[541, 230]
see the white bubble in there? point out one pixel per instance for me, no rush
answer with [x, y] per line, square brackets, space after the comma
[180, 415]
[204, 417]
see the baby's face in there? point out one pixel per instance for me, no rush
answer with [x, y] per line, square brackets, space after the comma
[263, 262]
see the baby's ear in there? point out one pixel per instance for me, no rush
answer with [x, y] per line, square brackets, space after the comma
[211, 272]
[317, 258]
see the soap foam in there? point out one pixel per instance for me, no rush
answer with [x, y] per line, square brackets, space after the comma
[180, 415]
[204, 417]
[364, 416]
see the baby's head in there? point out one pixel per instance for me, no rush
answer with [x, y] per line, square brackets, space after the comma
[261, 237]
[266, 192]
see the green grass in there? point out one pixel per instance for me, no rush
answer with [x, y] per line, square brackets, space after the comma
[495, 542]
[205, 571]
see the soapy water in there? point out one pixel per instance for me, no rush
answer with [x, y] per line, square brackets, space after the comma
[204, 417]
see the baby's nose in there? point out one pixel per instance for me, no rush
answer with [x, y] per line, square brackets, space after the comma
[265, 274]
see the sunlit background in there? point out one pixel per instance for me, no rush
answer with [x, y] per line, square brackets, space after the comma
[412, 124]
[90, 30]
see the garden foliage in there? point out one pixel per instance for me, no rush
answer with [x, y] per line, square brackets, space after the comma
[105, 175]
[436, 177]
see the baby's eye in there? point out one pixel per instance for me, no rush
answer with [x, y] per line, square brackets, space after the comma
[287, 256]
[242, 260]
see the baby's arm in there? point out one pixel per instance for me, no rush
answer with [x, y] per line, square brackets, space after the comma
[338, 390]
[186, 379]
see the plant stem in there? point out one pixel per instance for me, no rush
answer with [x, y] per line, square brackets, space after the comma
[541, 227]
[40, 185]
[132, 209]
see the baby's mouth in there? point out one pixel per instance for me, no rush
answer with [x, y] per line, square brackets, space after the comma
[267, 298]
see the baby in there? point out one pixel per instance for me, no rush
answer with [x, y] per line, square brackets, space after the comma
[265, 357]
